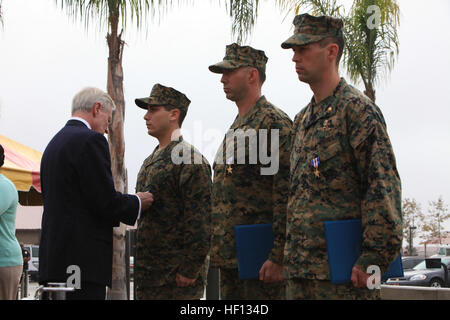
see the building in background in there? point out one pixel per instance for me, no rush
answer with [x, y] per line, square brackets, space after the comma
[28, 224]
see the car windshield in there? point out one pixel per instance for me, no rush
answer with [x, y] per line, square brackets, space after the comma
[410, 263]
[422, 265]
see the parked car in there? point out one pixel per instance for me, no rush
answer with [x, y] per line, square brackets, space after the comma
[421, 276]
[410, 262]
[33, 264]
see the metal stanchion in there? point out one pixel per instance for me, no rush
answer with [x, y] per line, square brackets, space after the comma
[25, 284]
[127, 262]
[132, 234]
[212, 288]
[21, 287]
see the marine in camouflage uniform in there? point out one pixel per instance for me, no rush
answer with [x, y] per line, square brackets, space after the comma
[173, 236]
[242, 194]
[355, 176]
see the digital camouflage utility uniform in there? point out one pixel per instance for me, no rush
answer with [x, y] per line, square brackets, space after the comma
[242, 194]
[173, 235]
[356, 177]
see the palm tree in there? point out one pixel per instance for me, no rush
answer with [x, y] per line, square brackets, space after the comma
[372, 42]
[113, 13]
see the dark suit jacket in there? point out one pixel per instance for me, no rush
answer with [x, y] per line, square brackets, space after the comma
[81, 206]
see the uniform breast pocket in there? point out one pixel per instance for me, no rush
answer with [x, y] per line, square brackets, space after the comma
[330, 166]
[143, 179]
[327, 152]
[327, 131]
[244, 172]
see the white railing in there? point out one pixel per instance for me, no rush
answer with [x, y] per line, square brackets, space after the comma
[389, 292]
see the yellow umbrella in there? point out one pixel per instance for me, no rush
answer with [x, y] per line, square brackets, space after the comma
[22, 167]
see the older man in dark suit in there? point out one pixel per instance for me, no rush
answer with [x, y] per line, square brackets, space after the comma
[81, 205]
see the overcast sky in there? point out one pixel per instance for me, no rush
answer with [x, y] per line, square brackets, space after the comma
[47, 57]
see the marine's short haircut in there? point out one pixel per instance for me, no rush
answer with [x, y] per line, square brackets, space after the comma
[262, 75]
[180, 117]
[339, 40]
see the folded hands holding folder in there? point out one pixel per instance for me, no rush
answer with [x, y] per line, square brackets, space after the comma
[254, 243]
[344, 241]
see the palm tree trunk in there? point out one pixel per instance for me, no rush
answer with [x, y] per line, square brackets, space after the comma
[370, 91]
[117, 149]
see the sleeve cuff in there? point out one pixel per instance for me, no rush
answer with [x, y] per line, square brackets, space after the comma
[276, 257]
[369, 259]
[139, 212]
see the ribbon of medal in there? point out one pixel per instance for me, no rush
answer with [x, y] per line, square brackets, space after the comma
[229, 163]
[315, 162]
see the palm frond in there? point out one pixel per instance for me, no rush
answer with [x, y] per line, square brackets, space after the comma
[313, 7]
[243, 14]
[1, 13]
[101, 11]
[371, 51]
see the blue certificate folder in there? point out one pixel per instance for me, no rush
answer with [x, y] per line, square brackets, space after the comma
[344, 239]
[253, 245]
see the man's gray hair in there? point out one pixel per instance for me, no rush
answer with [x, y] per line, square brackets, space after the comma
[87, 97]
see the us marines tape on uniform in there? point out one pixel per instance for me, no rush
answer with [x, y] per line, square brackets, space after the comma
[241, 193]
[173, 236]
[342, 167]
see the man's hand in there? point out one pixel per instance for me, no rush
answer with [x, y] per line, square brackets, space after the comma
[146, 199]
[183, 281]
[271, 272]
[359, 278]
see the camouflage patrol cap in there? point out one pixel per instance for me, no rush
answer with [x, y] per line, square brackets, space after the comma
[164, 96]
[237, 57]
[309, 29]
